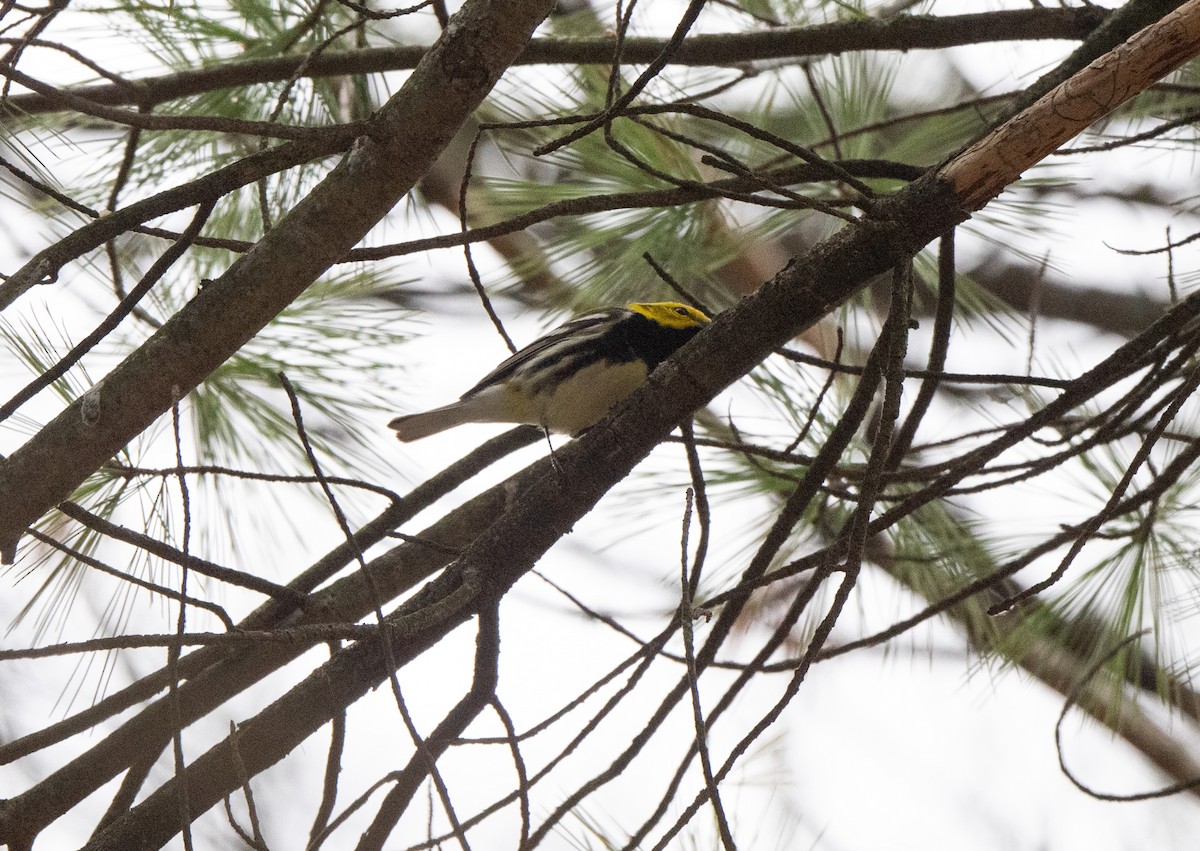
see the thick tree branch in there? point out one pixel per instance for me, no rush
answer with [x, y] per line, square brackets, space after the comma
[1116, 28]
[902, 33]
[1069, 108]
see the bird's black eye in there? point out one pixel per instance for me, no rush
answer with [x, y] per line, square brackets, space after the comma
[682, 311]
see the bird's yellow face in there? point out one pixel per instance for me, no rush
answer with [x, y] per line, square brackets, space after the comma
[670, 314]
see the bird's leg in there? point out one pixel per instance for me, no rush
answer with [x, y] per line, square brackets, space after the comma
[553, 457]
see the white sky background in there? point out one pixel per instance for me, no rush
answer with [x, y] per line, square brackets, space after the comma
[915, 748]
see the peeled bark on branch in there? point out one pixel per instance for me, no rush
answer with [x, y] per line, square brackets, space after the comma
[981, 172]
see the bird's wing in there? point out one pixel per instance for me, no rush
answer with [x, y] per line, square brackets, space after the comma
[577, 331]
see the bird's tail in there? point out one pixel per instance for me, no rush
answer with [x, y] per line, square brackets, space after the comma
[491, 405]
[416, 426]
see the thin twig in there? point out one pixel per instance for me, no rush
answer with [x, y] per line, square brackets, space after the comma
[255, 840]
[686, 619]
[333, 772]
[472, 270]
[185, 810]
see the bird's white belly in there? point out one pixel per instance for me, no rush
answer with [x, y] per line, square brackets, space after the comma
[586, 396]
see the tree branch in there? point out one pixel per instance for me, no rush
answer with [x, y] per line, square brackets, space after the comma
[902, 33]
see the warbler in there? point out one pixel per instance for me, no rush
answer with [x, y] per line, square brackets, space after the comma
[568, 379]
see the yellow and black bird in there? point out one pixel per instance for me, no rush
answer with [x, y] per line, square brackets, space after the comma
[568, 379]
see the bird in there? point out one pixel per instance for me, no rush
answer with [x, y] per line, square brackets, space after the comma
[568, 379]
